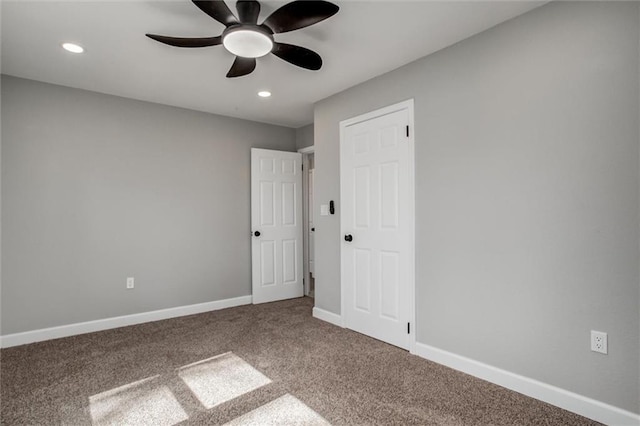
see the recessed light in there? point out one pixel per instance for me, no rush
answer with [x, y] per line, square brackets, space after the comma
[72, 47]
[264, 94]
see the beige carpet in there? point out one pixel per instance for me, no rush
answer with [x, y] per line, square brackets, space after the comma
[258, 365]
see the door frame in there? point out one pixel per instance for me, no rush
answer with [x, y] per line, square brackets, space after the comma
[409, 106]
[309, 150]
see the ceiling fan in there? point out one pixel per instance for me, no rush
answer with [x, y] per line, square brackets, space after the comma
[247, 40]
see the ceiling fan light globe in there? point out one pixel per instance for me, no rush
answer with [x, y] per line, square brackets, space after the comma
[247, 43]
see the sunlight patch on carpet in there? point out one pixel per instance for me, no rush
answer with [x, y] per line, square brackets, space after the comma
[141, 403]
[286, 410]
[221, 379]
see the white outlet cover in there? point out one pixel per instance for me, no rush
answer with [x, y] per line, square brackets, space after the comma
[130, 282]
[599, 342]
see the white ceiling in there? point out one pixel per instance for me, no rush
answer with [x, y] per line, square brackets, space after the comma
[365, 39]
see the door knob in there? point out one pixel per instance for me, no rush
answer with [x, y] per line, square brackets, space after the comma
[257, 233]
[313, 229]
[348, 238]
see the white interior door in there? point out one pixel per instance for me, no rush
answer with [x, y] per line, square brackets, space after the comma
[276, 223]
[376, 175]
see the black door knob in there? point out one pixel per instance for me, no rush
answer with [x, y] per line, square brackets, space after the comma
[257, 233]
[348, 238]
[313, 229]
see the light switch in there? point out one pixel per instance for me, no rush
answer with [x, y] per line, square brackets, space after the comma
[324, 210]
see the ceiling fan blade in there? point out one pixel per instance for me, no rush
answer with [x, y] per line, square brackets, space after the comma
[218, 10]
[299, 14]
[187, 42]
[248, 11]
[297, 55]
[242, 66]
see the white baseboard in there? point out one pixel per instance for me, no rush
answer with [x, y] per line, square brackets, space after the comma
[569, 401]
[115, 322]
[327, 316]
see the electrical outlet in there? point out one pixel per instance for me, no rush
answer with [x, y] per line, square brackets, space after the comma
[130, 282]
[599, 342]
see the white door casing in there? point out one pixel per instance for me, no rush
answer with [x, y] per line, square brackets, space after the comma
[312, 247]
[307, 213]
[276, 225]
[377, 212]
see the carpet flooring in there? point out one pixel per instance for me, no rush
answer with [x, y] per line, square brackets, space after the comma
[264, 364]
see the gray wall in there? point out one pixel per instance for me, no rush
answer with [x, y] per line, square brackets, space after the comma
[527, 195]
[304, 136]
[97, 188]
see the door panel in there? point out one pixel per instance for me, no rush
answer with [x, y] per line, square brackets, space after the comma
[376, 211]
[276, 215]
[289, 272]
[289, 204]
[267, 204]
[389, 195]
[389, 292]
[267, 263]
[362, 191]
[362, 272]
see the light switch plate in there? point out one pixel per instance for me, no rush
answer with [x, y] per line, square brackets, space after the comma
[324, 210]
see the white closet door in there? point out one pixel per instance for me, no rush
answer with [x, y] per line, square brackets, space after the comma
[376, 222]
